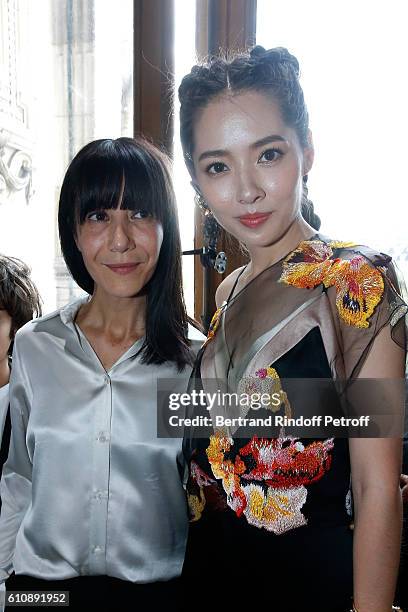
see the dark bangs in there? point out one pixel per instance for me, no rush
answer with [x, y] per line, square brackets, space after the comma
[99, 180]
[94, 181]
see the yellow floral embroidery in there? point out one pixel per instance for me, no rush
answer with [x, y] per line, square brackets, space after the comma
[339, 244]
[359, 288]
[269, 489]
[275, 510]
[359, 285]
[196, 505]
[307, 266]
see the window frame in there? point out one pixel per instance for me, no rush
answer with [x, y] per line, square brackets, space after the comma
[227, 25]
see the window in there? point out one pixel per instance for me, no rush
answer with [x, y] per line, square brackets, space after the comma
[184, 60]
[352, 59]
[66, 69]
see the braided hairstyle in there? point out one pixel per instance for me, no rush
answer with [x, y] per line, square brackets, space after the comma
[274, 72]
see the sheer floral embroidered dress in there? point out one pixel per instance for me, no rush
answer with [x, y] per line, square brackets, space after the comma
[270, 517]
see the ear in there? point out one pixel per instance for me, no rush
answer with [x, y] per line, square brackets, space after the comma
[308, 154]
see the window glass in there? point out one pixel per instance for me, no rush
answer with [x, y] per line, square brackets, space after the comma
[353, 66]
[184, 60]
[65, 79]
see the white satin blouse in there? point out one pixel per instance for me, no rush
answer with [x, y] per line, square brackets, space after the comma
[4, 401]
[88, 488]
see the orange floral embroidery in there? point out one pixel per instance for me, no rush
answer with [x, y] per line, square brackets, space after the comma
[341, 244]
[359, 285]
[269, 489]
[264, 481]
[307, 266]
[359, 288]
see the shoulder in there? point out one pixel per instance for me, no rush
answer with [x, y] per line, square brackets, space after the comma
[333, 258]
[34, 325]
[365, 281]
[323, 248]
[357, 276]
[360, 263]
[225, 287]
[51, 323]
[349, 250]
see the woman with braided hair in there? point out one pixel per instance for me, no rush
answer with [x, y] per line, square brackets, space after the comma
[271, 516]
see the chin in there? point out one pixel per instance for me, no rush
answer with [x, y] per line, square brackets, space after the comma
[263, 239]
[122, 292]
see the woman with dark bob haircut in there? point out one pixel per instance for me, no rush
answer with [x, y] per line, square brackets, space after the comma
[305, 324]
[92, 498]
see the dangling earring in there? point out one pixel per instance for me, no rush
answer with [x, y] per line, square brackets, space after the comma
[306, 203]
[202, 204]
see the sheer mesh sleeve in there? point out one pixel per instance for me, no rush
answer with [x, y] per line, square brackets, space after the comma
[367, 295]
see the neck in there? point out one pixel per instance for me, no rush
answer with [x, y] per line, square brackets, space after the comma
[4, 371]
[117, 316]
[263, 257]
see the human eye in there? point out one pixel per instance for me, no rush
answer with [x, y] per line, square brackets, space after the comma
[139, 214]
[216, 168]
[97, 216]
[270, 155]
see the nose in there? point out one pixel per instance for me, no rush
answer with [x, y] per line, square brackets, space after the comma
[249, 190]
[120, 237]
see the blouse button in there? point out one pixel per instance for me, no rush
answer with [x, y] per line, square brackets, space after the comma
[97, 549]
[99, 495]
[102, 437]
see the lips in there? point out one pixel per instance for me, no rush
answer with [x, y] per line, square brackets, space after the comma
[254, 220]
[125, 268]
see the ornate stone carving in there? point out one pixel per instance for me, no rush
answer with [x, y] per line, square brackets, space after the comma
[15, 139]
[15, 169]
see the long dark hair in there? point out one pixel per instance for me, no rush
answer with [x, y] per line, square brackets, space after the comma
[274, 72]
[92, 182]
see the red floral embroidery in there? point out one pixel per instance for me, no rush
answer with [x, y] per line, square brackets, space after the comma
[271, 492]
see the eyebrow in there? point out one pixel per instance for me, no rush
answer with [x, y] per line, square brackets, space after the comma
[255, 145]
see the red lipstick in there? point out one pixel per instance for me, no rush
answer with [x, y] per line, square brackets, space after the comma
[254, 220]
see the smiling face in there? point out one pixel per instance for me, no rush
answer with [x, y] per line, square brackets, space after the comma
[120, 249]
[5, 333]
[249, 166]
